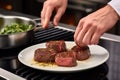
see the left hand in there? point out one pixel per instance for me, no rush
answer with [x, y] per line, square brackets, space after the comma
[49, 6]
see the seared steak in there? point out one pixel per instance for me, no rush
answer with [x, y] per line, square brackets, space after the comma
[59, 46]
[56, 51]
[82, 53]
[44, 55]
[67, 59]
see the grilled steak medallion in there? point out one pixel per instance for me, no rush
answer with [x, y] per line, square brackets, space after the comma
[44, 55]
[67, 59]
[59, 46]
[82, 53]
[56, 51]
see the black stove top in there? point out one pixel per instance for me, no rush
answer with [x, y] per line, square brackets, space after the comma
[10, 62]
[110, 70]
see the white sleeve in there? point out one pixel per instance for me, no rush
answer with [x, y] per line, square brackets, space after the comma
[115, 4]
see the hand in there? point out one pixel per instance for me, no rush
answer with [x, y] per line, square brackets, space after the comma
[49, 6]
[91, 27]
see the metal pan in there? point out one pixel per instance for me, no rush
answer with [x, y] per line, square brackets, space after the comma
[17, 39]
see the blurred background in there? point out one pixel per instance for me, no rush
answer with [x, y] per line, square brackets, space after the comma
[75, 11]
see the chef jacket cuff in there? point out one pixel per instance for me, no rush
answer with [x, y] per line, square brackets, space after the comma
[115, 4]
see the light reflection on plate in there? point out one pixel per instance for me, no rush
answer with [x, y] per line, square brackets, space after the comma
[99, 55]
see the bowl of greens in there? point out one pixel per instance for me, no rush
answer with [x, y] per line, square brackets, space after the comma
[16, 31]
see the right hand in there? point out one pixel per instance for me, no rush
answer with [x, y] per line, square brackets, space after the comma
[93, 26]
[49, 6]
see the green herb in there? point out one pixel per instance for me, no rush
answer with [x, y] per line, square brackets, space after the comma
[15, 28]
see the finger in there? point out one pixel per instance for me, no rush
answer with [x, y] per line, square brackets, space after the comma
[43, 13]
[78, 29]
[82, 33]
[96, 37]
[42, 17]
[58, 16]
[88, 36]
[48, 16]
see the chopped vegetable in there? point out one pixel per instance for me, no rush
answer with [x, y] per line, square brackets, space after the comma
[15, 28]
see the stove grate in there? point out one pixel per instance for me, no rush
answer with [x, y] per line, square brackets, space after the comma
[44, 35]
[98, 73]
[32, 74]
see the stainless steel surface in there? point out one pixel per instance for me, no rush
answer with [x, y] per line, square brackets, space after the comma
[17, 39]
[9, 76]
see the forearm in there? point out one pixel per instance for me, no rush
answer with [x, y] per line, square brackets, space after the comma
[115, 4]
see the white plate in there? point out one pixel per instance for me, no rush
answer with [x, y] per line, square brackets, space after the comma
[99, 55]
